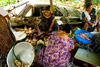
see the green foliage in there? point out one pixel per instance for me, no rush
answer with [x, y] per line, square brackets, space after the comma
[98, 12]
[54, 9]
[77, 45]
[96, 2]
[99, 17]
[61, 2]
[7, 2]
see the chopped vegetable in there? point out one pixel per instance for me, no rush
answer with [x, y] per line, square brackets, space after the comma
[18, 64]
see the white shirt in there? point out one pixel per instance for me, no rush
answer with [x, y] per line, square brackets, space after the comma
[3, 12]
[86, 15]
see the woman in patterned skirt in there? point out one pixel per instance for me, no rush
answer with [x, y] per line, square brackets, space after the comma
[57, 53]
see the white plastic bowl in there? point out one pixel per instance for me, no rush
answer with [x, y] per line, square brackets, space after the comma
[19, 35]
[20, 50]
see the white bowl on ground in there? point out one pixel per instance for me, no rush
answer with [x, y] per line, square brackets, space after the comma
[24, 51]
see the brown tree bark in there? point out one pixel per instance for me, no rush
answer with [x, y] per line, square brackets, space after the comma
[51, 6]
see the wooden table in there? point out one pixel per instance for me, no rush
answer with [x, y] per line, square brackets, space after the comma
[88, 57]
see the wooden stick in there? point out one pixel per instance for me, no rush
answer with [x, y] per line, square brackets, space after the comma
[51, 6]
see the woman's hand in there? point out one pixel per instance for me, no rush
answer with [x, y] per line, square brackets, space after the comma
[49, 30]
[95, 23]
[70, 50]
[48, 34]
[85, 19]
[92, 24]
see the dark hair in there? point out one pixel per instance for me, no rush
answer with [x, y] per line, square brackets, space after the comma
[66, 27]
[47, 7]
[88, 4]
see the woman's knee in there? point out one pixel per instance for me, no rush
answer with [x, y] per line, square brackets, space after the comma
[99, 24]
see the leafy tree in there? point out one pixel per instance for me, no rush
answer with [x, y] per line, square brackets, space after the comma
[7, 2]
[96, 2]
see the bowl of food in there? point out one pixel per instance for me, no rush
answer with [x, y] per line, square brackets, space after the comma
[24, 51]
[83, 36]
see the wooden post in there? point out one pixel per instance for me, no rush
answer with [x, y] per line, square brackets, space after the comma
[51, 6]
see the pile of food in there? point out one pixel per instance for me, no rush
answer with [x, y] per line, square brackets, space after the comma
[84, 36]
[32, 38]
[25, 29]
[18, 64]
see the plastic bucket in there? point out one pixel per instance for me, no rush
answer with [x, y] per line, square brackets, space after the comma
[21, 49]
[81, 40]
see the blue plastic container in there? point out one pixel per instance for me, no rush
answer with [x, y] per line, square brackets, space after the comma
[81, 40]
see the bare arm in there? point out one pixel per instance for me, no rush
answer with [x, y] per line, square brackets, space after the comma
[39, 21]
[96, 18]
[38, 27]
[51, 25]
[87, 21]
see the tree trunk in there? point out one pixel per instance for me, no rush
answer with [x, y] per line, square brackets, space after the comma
[51, 4]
